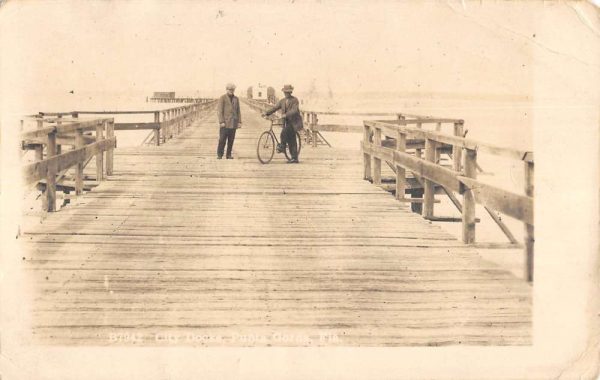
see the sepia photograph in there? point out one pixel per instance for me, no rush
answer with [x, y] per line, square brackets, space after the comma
[299, 189]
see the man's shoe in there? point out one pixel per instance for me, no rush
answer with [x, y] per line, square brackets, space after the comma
[294, 161]
[229, 157]
[219, 157]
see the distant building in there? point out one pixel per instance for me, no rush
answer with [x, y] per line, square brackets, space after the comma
[261, 92]
[164, 95]
[257, 92]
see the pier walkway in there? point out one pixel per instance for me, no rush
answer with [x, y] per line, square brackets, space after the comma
[179, 247]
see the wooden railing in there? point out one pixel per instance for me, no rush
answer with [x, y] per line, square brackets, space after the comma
[52, 136]
[461, 177]
[313, 129]
[171, 123]
[55, 130]
[159, 99]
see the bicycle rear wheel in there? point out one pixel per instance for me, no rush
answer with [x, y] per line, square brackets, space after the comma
[265, 149]
[288, 155]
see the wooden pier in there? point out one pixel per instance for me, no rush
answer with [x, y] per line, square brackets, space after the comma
[177, 247]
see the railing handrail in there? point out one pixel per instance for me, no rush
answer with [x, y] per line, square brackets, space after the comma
[53, 131]
[116, 112]
[66, 126]
[394, 127]
[461, 178]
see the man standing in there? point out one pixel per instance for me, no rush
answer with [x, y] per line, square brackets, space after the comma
[230, 119]
[290, 110]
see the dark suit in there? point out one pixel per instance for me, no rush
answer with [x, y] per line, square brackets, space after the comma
[228, 112]
[293, 122]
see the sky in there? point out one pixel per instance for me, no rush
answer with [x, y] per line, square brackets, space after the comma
[416, 46]
[486, 48]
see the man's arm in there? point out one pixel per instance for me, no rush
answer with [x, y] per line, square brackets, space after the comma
[277, 107]
[221, 111]
[237, 105]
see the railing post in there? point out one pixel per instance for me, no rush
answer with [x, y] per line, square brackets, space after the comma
[529, 229]
[39, 149]
[110, 133]
[377, 160]
[400, 171]
[58, 123]
[468, 213]
[457, 150]
[157, 131]
[99, 155]
[50, 196]
[418, 152]
[79, 143]
[428, 185]
[175, 128]
[313, 127]
[170, 127]
[366, 155]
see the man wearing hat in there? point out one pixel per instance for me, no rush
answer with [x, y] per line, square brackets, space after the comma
[230, 119]
[290, 110]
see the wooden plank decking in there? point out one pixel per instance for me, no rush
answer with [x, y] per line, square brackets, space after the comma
[178, 247]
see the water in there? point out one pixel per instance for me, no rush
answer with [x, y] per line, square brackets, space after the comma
[498, 120]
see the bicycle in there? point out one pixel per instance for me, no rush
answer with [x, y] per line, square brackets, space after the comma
[265, 148]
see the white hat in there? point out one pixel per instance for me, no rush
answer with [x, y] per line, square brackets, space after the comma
[230, 86]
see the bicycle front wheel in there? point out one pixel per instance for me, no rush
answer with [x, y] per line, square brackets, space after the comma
[265, 149]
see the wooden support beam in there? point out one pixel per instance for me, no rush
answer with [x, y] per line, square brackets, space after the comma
[450, 219]
[135, 126]
[529, 228]
[468, 215]
[501, 224]
[414, 200]
[496, 246]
